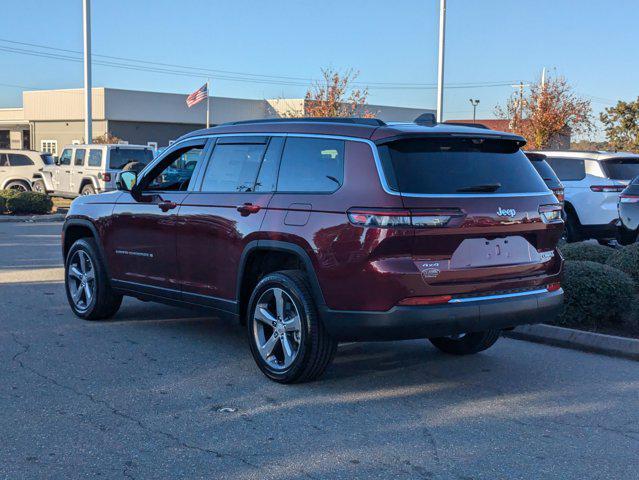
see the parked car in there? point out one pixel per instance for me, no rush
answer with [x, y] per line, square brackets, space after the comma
[89, 169]
[592, 183]
[17, 168]
[312, 232]
[547, 174]
[629, 213]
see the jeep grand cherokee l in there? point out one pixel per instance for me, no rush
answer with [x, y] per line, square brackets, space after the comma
[312, 232]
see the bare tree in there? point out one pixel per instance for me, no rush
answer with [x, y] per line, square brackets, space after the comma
[107, 138]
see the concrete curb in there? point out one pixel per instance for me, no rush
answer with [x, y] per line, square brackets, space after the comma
[54, 217]
[578, 340]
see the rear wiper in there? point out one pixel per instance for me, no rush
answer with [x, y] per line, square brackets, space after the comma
[486, 187]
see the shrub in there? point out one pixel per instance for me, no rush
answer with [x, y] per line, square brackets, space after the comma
[586, 251]
[3, 204]
[626, 259]
[595, 294]
[29, 203]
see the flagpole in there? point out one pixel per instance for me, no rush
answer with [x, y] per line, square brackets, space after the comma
[207, 101]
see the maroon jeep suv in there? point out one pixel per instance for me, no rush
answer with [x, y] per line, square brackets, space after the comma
[316, 231]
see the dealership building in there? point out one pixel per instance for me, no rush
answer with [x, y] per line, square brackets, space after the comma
[51, 119]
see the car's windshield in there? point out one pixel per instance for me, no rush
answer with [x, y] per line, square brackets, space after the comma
[621, 168]
[47, 158]
[121, 156]
[458, 166]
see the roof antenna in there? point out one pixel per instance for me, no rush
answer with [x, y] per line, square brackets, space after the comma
[426, 119]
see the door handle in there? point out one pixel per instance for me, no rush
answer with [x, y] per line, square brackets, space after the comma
[80, 171]
[248, 208]
[167, 205]
[67, 171]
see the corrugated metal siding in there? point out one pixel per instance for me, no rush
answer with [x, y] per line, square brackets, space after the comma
[61, 104]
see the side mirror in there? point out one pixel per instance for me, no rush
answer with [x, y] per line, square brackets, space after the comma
[126, 180]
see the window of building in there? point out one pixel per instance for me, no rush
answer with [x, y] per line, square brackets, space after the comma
[95, 157]
[234, 165]
[18, 160]
[79, 157]
[311, 165]
[49, 146]
[65, 158]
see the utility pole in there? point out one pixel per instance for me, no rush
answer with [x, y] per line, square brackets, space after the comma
[88, 115]
[474, 103]
[440, 62]
[208, 96]
[521, 86]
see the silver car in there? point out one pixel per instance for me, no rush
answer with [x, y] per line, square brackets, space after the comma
[89, 169]
[19, 167]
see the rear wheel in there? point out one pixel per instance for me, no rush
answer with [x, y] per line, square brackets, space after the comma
[18, 186]
[572, 231]
[466, 343]
[87, 285]
[87, 190]
[288, 340]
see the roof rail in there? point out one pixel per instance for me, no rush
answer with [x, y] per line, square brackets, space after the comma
[373, 122]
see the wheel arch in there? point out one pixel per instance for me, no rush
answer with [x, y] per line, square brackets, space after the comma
[261, 257]
[88, 180]
[16, 179]
[77, 228]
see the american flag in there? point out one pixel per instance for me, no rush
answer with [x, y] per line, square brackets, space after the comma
[197, 96]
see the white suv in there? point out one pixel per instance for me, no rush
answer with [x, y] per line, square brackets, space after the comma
[89, 169]
[18, 167]
[592, 182]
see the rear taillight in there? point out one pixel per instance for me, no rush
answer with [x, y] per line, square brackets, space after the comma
[400, 218]
[550, 213]
[107, 177]
[607, 188]
[559, 193]
[628, 198]
[553, 287]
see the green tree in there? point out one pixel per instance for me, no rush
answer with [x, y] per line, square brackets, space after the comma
[621, 124]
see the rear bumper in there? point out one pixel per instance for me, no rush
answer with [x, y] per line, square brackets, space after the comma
[468, 315]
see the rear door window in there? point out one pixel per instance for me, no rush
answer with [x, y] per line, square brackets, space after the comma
[79, 157]
[121, 156]
[234, 165]
[452, 166]
[311, 165]
[95, 157]
[621, 168]
[568, 169]
[18, 160]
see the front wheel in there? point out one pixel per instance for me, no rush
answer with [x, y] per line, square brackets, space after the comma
[39, 186]
[288, 340]
[87, 190]
[466, 343]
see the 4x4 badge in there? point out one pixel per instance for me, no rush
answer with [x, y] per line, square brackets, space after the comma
[506, 212]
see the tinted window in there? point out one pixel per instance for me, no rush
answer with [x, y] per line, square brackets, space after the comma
[47, 158]
[79, 157]
[311, 165]
[3, 160]
[267, 178]
[17, 160]
[568, 168]
[65, 158]
[176, 176]
[233, 167]
[95, 158]
[120, 156]
[458, 166]
[621, 168]
[544, 170]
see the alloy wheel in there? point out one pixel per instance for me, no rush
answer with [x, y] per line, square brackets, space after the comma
[81, 280]
[277, 328]
[18, 187]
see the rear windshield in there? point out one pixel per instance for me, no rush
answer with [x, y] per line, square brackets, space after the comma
[458, 166]
[547, 173]
[621, 168]
[119, 157]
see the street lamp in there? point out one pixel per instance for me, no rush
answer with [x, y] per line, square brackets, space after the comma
[474, 103]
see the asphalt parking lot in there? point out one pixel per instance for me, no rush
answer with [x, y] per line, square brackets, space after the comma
[161, 392]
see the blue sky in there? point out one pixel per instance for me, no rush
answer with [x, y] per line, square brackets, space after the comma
[590, 42]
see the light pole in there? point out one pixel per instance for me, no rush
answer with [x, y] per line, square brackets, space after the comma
[474, 103]
[86, 24]
[440, 62]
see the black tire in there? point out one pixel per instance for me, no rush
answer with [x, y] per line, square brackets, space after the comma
[316, 348]
[88, 189]
[468, 344]
[104, 303]
[572, 229]
[39, 186]
[626, 237]
[18, 185]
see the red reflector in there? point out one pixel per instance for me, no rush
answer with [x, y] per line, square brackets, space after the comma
[553, 287]
[431, 300]
[107, 177]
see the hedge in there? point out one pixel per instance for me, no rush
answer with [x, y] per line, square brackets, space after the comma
[595, 294]
[21, 203]
[586, 251]
[626, 259]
